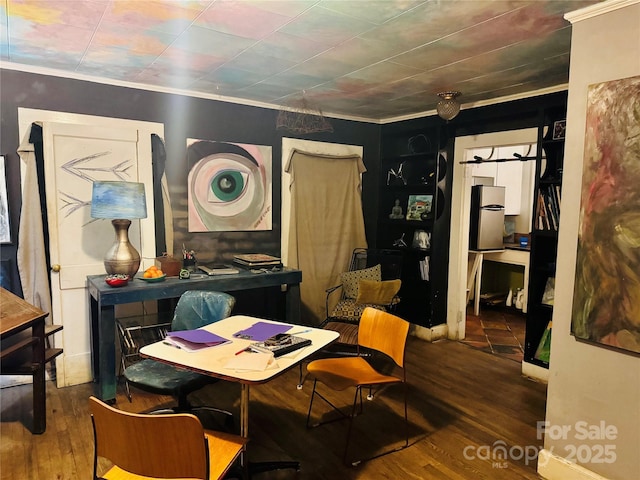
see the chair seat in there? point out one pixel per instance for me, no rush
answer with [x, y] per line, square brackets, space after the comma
[223, 451]
[342, 373]
[163, 377]
[348, 310]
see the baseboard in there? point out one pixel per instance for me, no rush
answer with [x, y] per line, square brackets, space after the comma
[430, 334]
[553, 467]
[76, 369]
[535, 372]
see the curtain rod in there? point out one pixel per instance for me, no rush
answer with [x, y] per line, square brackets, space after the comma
[518, 158]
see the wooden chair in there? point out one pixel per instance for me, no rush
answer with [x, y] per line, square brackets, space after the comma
[380, 332]
[142, 446]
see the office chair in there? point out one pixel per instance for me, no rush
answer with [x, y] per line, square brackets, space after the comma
[380, 332]
[144, 446]
[373, 280]
[194, 309]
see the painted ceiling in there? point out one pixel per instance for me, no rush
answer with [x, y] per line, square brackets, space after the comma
[375, 60]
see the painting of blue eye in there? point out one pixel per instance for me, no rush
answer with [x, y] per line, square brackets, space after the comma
[229, 187]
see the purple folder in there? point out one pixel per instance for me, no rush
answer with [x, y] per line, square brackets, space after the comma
[260, 331]
[198, 336]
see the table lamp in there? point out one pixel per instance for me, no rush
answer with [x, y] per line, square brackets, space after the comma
[120, 201]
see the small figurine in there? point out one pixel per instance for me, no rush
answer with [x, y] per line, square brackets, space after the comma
[396, 211]
[400, 242]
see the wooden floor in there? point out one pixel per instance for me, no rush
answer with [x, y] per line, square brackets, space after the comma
[464, 405]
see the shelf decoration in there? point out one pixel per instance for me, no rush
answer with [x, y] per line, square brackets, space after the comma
[419, 207]
[559, 128]
[396, 211]
[421, 240]
[607, 275]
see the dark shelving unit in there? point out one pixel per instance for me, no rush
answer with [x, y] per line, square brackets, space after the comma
[415, 165]
[544, 233]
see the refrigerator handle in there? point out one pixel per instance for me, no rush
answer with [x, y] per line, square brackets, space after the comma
[495, 208]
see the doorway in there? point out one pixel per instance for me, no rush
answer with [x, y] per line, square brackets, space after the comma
[460, 219]
[69, 298]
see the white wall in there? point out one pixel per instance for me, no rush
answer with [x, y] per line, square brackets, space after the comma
[588, 383]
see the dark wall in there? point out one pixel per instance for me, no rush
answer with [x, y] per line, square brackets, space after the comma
[183, 117]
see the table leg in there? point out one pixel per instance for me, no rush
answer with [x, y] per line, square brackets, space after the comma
[39, 386]
[292, 306]
[105, 376]
[251, 468]
[476, 300]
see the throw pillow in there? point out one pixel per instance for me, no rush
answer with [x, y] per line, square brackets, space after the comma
[377, 293]
[351, 279]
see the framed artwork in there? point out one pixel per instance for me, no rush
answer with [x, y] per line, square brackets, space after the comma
[421, 240]
[419, 207]
[607, 285]
[229, 186]
[559, 128]
[5, 224]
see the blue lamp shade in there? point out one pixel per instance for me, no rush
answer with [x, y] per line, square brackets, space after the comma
[118, 200]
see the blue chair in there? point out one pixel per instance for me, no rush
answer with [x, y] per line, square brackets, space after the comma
[194, 309]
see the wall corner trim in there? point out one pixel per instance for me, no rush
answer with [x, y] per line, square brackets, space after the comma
[598, 9]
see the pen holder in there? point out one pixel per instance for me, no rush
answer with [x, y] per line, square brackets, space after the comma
[190, 264]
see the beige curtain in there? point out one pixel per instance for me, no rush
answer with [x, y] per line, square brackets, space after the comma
[326, 223]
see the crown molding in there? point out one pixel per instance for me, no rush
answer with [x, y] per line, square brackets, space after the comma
[598, 9]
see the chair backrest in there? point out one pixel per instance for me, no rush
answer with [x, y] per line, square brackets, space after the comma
[197, 308]
[383, 332]
[390, 261]
[160, 446]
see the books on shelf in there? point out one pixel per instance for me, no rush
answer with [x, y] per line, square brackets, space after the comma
[218, 269]
[257, 260]
[548, 208]
[543, 351]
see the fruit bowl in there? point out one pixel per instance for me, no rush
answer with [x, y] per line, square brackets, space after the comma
[154, 279]
[117, 280]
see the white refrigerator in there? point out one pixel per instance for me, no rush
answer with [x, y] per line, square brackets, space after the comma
[487, 218]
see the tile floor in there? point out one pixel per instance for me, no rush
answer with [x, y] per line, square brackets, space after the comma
[497, 330]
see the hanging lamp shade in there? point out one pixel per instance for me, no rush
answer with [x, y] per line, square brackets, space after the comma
[448, 107]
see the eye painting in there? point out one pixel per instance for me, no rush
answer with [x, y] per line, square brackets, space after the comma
[229, 186]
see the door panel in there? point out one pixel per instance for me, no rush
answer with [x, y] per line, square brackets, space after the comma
[75, 156]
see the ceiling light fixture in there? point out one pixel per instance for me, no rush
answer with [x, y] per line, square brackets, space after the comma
[448, 107]
[300, 115]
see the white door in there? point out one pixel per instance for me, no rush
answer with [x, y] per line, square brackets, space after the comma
[76, 155]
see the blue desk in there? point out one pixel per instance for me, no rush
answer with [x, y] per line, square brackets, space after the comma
[103, 299]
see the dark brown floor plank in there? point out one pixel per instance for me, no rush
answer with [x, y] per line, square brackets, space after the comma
[459, 397]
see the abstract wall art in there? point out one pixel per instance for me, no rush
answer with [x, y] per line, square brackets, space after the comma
[606, 301]
[5, 230]
[229, 186]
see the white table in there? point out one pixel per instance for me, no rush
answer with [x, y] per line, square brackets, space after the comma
[212, 361]
[474, 276]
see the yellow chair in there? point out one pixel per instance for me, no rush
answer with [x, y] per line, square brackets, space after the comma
[380, 332]
[143, 447]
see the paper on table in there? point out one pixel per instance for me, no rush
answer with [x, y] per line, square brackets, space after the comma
[250, 361]
[260, 331]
